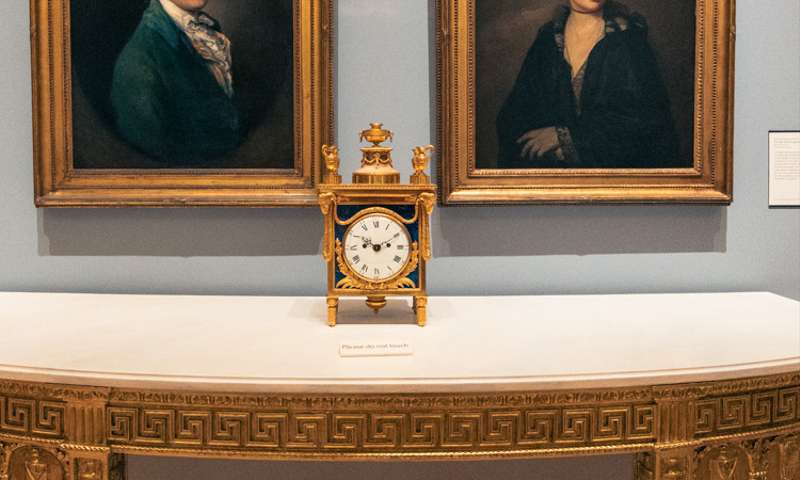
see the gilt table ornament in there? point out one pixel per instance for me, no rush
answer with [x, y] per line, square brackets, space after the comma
[377, 230]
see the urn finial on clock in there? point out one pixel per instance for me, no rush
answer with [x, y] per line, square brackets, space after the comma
[377, 230]
[376, 160]
[330, 153]
[420, 162]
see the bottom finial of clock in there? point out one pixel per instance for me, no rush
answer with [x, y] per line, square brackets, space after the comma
[376, 302]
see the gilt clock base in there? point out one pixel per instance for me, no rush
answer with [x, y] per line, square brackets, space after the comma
[419, 306]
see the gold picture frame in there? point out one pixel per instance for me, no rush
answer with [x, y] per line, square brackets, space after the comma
[709, 180]
[59, 184]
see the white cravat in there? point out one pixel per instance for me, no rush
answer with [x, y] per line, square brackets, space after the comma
[208, 41]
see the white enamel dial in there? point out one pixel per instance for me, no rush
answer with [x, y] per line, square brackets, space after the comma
[376, 247]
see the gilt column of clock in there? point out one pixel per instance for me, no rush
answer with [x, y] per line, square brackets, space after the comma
[377, 230]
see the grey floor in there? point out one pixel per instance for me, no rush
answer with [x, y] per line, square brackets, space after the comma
[619, 467]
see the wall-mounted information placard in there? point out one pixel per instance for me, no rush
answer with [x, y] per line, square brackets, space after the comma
[784, 169]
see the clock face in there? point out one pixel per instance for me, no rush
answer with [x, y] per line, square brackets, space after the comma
[376, 247]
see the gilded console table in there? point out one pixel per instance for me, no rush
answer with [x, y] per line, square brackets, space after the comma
[699, 386]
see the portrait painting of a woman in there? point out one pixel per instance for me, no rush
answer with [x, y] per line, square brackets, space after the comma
[584, 84]
[589, 95]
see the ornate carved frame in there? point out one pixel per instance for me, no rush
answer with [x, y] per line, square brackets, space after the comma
[710, 180]
[58, 184]
[748, 428]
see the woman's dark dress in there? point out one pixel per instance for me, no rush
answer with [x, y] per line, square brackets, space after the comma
[622, 117]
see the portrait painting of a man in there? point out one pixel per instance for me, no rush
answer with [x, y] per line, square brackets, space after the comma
[173, 87]
[180, 103]
[183, 84]
[582, 84]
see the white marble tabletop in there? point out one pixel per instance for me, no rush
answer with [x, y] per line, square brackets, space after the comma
[282, 344]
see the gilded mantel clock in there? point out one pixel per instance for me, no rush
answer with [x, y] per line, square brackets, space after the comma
[377, 234]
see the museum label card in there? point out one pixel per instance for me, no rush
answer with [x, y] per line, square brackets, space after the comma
[375, 349]
[784, 169]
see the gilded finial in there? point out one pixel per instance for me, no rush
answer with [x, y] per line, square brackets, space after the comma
[376, 159]
[376, 134]
[330, 153]
[420, 162]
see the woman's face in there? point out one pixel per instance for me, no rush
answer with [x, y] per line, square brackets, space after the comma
[587, 6]
[190, 5]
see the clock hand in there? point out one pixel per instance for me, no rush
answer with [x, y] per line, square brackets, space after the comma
[367, 241]
[387, 242]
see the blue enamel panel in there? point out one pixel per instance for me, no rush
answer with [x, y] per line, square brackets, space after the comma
[346, 212]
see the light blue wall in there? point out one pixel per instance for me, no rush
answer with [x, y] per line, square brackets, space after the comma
[384, 74]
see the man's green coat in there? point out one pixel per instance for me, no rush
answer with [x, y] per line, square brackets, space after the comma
[166, 101]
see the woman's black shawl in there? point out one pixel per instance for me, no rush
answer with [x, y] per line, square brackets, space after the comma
[624, 119]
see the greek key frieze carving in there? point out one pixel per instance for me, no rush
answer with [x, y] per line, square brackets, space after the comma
[788, 405]
[461, 429]
[24, 416]
[751, 411]
[675, 419]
